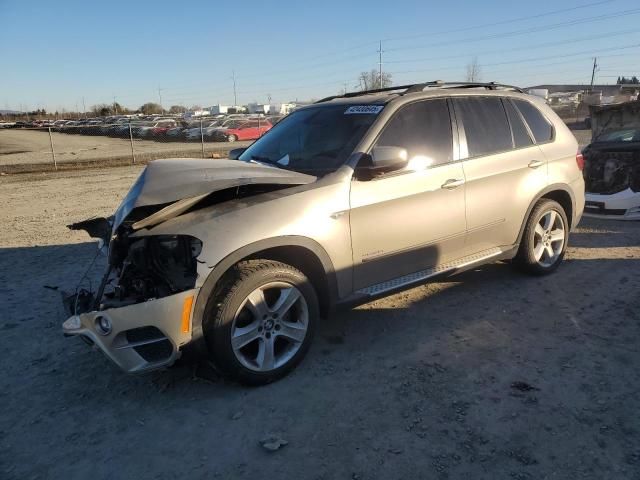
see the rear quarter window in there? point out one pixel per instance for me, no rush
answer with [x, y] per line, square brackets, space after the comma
[540, 127]
[485, 125]
[521, 136]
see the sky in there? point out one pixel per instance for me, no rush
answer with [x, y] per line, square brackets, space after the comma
[56, 54]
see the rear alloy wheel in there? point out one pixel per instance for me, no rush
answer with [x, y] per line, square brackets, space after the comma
[231, 138]
[260, 326]
[544, 240]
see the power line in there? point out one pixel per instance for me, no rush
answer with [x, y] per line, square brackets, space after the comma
[502, 22]
[514, 33]
[458, 41]
[512, 62]
[528, 47]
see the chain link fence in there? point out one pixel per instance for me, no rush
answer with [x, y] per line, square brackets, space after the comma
[67, 144]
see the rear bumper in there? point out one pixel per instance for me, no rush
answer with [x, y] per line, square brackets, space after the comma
[143, 337]
[623, 205]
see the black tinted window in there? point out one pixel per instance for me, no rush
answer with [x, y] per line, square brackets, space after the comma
[540, 127]
[424, 129]
[485, 125]
[317, 139]
[521, 137]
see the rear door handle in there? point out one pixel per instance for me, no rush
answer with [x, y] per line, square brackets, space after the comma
[535, 163]
[452, 183]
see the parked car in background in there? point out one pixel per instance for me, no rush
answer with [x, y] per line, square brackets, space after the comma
[161, 129]
[204, 129]
[242, 130]
[612, 174]
[178, 132]
[148, 129]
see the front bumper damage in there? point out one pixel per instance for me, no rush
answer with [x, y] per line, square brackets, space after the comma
[141, 316]
[624, 205]
[143, 336]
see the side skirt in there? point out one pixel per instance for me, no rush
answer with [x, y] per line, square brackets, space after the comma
[372, 292]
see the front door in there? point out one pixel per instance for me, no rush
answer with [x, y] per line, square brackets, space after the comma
[410, 220]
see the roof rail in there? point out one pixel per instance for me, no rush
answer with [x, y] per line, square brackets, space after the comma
[365, 92]
[419, 87]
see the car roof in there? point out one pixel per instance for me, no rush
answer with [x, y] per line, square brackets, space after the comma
[424, 90]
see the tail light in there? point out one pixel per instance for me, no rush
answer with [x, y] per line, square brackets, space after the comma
[580, 160]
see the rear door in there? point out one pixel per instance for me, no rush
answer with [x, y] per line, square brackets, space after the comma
[410, 220]
[503, 167]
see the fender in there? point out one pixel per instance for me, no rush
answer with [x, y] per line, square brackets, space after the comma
[542, 193]
[221, 268]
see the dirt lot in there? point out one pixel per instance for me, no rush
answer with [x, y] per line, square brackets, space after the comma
[20, 147]
[417, 385]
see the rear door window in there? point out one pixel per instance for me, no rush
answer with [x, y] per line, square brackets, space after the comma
[521, 136]
[542, 130]
[424, 129]
[485, 125]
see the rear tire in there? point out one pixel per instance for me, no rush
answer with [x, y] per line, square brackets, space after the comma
[231, 138]
[259, 325]
[544, 240]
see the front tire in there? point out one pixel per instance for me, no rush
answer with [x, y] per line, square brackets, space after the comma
[260, 324]
[231, 138]
[545, 238]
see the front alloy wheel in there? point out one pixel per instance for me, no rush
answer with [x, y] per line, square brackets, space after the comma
[260, 323]
[270, 326]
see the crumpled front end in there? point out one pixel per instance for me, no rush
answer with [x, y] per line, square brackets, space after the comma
[140, 316]
[608, 171]
[612, 181]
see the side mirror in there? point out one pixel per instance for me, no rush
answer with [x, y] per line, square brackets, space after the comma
[384, 159]
[235, 153]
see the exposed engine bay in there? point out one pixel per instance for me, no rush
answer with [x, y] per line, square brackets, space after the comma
[609, 171]
[146, 267]
[150, 267]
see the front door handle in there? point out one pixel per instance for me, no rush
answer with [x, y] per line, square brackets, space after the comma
[452, 183]
[535, 163]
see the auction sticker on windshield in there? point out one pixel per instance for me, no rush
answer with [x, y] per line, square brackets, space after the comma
[364, 109]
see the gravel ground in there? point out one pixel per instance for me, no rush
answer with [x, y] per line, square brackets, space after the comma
[422, 384]
[20, 147]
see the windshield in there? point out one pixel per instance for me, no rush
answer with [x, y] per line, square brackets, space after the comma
[626, 135]
[316, 140]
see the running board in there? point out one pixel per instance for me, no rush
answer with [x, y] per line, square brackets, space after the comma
[422, 275]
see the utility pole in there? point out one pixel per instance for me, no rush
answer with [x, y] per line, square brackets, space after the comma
[593, 72]
[160, 97]
[380, 65]
[115, 105]
[235, 97]
[84, 108]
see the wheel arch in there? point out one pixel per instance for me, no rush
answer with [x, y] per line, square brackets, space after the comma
[558, 192]
[303, 253]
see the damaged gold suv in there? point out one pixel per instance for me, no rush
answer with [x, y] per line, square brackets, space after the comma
[350, 198]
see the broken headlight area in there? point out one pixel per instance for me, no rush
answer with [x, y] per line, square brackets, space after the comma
[149, 267]
[608, 172]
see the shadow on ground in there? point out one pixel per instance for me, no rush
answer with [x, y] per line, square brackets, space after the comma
[490, 374]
